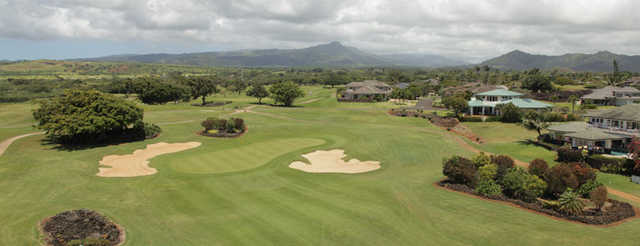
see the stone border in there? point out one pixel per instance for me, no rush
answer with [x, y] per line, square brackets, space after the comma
[43, 235]
[636, 210]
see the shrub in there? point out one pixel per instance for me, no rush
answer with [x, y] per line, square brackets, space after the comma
[583, 173]
[230, 127]
[208, 124]
[504, 163]
[489, 188]
[471, 119]
[534, 187]
[487, 172]
[145, 130]
[522, 185]
[585, 189]
[553, 117]
[538, 167]
[459, 170]
[514, 181]
[599, 196]
[570, 203]
[239, 124]
[610, 165]
[573, 117]
[481, 160]
[559, 178]
[567, 154]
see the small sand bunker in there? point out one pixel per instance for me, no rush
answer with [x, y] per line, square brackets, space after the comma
[332, 161]
[137, 164]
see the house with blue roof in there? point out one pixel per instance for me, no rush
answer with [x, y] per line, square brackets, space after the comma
[487, 103]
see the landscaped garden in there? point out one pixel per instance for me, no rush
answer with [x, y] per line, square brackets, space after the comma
[569, 190]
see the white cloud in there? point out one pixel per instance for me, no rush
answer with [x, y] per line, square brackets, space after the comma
[466, 28]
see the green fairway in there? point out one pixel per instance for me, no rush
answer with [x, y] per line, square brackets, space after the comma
[240, 158]
[240, 191]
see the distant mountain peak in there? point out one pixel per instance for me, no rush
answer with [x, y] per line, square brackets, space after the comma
[598, 62]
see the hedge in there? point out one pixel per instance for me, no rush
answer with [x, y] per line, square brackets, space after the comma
[621, 166]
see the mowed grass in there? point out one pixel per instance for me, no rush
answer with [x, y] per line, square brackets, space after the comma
[509, 139]
[273, 204]
[238, 159]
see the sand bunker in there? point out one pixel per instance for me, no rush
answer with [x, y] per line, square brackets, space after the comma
[332, 161]
[137, 164]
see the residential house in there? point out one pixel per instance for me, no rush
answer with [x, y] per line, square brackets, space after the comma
[486, 103]
[369, 90]
[604, 131]
[613, 96]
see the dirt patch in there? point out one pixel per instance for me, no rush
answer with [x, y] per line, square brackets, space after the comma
[137, 164]
[310, 101]
[82, 224]
[332, 161]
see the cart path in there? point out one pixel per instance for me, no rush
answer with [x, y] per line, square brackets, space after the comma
[5, 144]
[612, 191]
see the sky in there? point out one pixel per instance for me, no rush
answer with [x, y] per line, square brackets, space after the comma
[471, 30]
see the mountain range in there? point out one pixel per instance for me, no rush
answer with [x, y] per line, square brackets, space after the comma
[333, 54]
[598, 62]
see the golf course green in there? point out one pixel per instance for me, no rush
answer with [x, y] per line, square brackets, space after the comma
[240, 191]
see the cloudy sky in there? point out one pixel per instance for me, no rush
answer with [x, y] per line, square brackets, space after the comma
[471, 29]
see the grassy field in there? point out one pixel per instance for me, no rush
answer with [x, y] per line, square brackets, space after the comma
[241, 192]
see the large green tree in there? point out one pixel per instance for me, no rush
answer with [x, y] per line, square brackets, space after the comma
[80, 116]
[258, 91]
[202, 87]
[538, 82]
[285, 93]
[458, 104]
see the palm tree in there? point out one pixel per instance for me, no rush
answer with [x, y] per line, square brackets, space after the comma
[573, 99]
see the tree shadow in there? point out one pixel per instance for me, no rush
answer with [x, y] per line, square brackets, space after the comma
[53, 145]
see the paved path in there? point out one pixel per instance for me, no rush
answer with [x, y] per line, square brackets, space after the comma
[5, 144]
[612, 191]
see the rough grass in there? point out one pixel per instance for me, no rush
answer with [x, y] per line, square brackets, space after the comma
[273, 204]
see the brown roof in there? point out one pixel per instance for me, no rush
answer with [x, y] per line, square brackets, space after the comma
[607, 92]
[373, 83]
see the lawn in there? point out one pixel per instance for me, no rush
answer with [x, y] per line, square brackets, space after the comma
[241, 192]
[509, 139]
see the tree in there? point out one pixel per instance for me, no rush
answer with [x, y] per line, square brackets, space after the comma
[456, 103]
[156, 92]
[535, 121]
[237, 86]
[202, 87]
[537, 83]
[573, 99]
[258, 91]
[285, 93]
[334, 79]
[79, 117]
[509, 113]
[614, 78]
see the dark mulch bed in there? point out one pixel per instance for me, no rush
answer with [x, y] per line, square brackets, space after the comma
[64, 227]
[618, 211]
[212, 104]
[223, 134]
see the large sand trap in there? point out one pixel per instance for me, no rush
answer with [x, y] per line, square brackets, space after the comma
[332, 161]
[137, 164]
